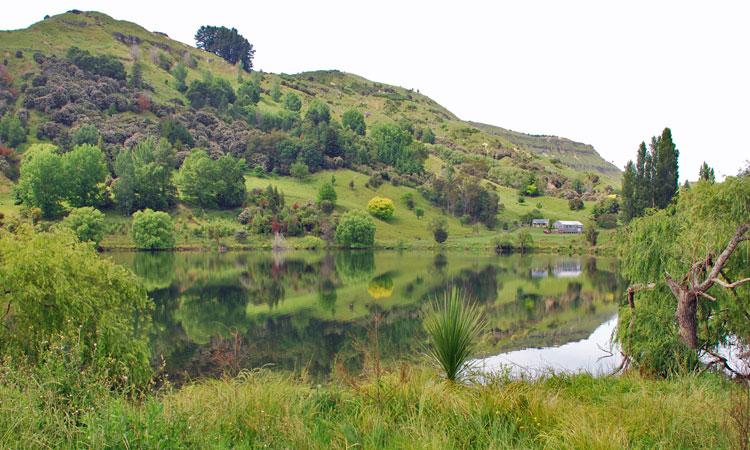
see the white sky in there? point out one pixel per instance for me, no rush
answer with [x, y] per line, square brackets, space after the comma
[605, 73]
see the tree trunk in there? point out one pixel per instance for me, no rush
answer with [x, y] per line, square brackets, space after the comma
[687, 309]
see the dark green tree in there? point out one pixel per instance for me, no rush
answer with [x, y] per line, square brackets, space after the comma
[136, 76]
[666, 176]
[355, 121]
[144, 176]
[292, 102]
[227, 43]
[629, 192]
[706, 173]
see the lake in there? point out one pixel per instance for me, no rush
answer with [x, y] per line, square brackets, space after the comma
[218, 313]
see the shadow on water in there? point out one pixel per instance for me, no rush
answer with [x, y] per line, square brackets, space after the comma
[218, 313]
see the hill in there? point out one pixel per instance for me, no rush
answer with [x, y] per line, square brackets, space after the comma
[55, 95]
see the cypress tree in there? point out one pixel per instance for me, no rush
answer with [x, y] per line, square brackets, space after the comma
[666, 169]
[642, 182]
[706, 173]
[629, 189]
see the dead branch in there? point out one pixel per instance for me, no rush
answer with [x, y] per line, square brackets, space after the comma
[731, 285]
[739, 236]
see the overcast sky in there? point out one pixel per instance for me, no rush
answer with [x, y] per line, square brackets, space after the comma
[607, 74]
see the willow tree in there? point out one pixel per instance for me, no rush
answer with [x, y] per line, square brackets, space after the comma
[690, 269]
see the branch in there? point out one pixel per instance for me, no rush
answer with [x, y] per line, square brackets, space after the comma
[707, 296]
[732, 285]
[739, 236]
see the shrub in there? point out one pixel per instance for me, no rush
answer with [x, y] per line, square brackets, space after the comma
[153, 230]
[104, 65]
[453, 326]
[299, 170]
[419, 212]
[87, 224]
[575, 204]
[12, 132]
[408, 199]
[355, 121]
[327, 193]
[607, 221]
[292, 102]
[439, 228]
[355, 230]
[525, 241]
[380, 207]
[326, 206]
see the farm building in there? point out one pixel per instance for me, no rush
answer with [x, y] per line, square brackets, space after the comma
[540, 223]
[568, 226]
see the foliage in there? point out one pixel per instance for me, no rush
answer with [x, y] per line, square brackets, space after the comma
[86, 134]
[419, 212]
[104, 65]
[226, 43]
[85, 171]
[591, 234]
[65, 302]
[327, 193]
[275, 92]
[318, 112]
[706, 173]
[355, 230]
[393, 146]
[672, 241]
[454, 325]
[87, 224]
[299, 170]
[12, 131]
[144, 176]
[210, 91]
[354, 120]
[248, 93]
[408, 200]
[575, 204]
[211, 183]
[42, 181]
[439, 228]
[179, 72]
[176, 133]
[525, 241]
[464, 196]
[135, 80]
[382, 208]
[152, 230]
[292, 102]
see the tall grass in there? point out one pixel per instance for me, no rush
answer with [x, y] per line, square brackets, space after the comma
[453, 325]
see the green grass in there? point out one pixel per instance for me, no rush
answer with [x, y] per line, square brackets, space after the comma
[405, 408]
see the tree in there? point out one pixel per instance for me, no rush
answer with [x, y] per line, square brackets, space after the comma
[176, 133]
[666, 169]
[439, 228]
[58, 293]
[87, 224]
[591, 234]
[629, 192]
[42, 183]
[144, 176]
[12, 132]
[179, 72]
[428, 136]
[86, 134]
[292, 102]
[317, 113]
[419, 212]
[380, 207]
[226, 43]
[299, 170]
[248, 93]
[355, 121]
[575, 204]
[355, 230]
[327, 193]
[706, 173]
[393, 146]
[210, 91]
[211, 183]
[136, 76]
[689, 266]
[275, 91]
[152, 230]
[85, 171]
[525, 241]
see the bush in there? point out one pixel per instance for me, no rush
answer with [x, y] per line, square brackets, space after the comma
[87, 224]
[355, 230]
[12, 132]
[419, 212]
[355, 121]
[299, 170]
[292, 102]
[380, 207]
[439, 228]
[327, 193]
[607, 221]
[525, 241]
[326, 206]
[408, 199]
[575, 204]
[153, 230]
[104, 65]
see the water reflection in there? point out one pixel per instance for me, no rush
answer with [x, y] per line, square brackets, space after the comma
[223, 312]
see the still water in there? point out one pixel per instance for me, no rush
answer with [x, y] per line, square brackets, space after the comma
[222, 312]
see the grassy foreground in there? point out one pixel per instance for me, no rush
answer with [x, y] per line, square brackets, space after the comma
[409, 408]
